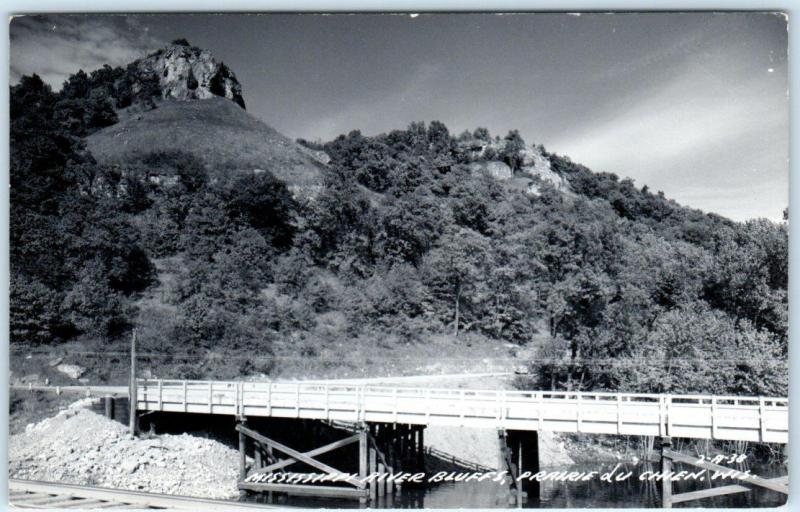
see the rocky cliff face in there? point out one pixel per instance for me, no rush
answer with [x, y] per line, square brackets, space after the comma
[190, 73]
[537, 166]
[495, 169]
[534, 171]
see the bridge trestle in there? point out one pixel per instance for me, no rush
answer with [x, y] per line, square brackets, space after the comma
[383, 450]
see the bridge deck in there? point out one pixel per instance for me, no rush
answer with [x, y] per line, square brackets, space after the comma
[755, 419]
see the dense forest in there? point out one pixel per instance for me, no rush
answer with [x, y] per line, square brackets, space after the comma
[633, 291]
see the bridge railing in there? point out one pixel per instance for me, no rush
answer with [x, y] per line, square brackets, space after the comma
[757, 419]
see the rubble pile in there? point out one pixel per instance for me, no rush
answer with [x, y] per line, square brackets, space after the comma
[81, 447]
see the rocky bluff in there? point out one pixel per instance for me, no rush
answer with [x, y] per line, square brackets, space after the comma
[190, 73]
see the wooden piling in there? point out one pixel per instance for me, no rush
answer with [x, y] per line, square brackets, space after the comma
[666, 467]
[381, 482]
[412, 443]
[421, 449]
[519, 472]
[362, 457]
[410, 447]
[503, 488]
[108, 401]
[242, 454]
[133, 396]
[386, 433]
[373, 468]
[532, 488]
[398, 461]
[401, 445]
[393, 446]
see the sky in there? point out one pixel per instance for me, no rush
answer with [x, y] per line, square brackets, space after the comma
[692, 104]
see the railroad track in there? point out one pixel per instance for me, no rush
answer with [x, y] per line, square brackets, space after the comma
[32, 494]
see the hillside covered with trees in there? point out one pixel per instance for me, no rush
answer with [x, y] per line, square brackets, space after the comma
[619, 287]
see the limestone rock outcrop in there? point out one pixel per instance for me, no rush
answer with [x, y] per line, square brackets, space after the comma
[534, 171]
[495, 169]
[190, 73]
[536, 165]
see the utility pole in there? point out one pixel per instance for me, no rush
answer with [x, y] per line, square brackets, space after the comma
[132, 393]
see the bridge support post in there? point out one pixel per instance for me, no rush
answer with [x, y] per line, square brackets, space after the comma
[385, 437]
[421, 449]
[519, 454]
[108, 401]
[362, 458]
[666, 468]
[257, 458]
[373, 469]
[397, 452]
[401, 444]
[133, 394]
[503, 458]
[242, 452]
[530, 463]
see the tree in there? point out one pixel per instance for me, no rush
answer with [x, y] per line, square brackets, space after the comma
[76, 86]
[85, 103]
[472, 201]
[749, 274]
[482, 134]
[341, 227]
[409, 227]
[263, 202]
[456, 267]
[137, 86]
[510, 153]
[439, 138]
[92, 306]
[75, 257]
[34, 310]
[745, 361]
[207, 228]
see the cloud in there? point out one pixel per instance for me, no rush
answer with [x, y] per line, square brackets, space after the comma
[56, 46]
[722, 149]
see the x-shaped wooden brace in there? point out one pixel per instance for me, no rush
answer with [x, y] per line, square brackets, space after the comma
[307, 457]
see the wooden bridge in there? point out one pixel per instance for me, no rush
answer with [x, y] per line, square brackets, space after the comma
[754, 419]
[386, 426]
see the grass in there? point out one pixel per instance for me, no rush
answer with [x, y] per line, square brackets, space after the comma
[378, 354]
[225, 137]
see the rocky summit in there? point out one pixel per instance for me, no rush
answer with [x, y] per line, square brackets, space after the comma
[191, 73]
[196, 113]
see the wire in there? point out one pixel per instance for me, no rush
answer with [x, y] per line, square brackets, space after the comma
[650, 361]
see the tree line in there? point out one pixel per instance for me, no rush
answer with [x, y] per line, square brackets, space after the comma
[630, 290]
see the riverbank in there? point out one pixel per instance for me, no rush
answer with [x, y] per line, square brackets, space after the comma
[594, 448]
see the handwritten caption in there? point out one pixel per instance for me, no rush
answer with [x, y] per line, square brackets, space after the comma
[617, 474]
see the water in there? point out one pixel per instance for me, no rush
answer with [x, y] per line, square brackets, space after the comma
[589, 494]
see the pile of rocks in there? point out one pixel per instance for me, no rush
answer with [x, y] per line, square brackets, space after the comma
[81, 447]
